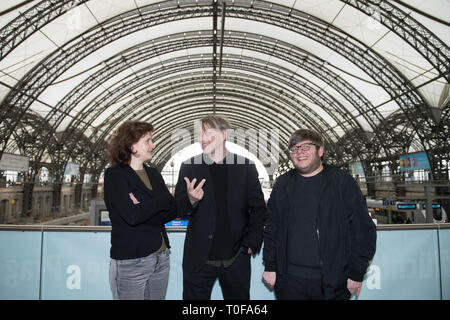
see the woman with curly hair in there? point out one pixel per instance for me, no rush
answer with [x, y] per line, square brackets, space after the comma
[139, 205]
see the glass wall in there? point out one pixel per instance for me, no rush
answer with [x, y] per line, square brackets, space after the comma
[73, 263]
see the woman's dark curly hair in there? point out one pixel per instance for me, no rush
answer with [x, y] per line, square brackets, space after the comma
[119, 145]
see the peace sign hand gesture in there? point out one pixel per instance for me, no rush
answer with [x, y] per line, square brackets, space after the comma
[194, 194]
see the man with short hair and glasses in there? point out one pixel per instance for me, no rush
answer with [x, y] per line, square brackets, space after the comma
[319, 237]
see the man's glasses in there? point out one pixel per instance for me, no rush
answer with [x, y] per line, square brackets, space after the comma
[303, 147]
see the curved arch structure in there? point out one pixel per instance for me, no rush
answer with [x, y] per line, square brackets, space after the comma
[274, 66]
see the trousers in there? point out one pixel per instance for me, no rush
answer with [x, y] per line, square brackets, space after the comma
[234, 280]
[140, 279]
[291, 287]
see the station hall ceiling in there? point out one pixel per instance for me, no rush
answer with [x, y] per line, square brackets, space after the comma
[372, 76]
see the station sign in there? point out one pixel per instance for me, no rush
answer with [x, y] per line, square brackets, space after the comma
[434, 206]
[407, 206]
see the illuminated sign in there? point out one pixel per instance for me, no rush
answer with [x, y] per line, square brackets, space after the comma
[406, 206]
[434, 206]
[179, 222]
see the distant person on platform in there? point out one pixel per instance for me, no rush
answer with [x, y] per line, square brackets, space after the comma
[226, 226]
[319, 237]
[139, 205]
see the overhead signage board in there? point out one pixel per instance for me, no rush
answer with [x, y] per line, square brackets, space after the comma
[14, 162]
[415, 161]
[72, 169]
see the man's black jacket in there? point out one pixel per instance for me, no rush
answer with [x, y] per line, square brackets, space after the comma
[246, 208]
[347, 234]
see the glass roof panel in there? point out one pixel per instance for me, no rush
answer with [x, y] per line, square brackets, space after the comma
[350, 23]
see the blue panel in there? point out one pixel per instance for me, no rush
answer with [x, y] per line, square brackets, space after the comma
[444, 245]
[258, 289]
[405, 266]
[178, 223]
[20, 255]
[416, 161]
[76, 265]
[175, 286]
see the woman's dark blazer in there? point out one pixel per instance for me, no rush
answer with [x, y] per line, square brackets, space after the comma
[137, 228]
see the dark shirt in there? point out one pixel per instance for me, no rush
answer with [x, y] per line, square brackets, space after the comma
[303, 237]
[221, 247]
[146, 180]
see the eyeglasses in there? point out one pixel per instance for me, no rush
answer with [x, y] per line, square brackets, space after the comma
[303, 147]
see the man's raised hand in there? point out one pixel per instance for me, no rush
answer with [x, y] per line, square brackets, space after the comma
[194, 193]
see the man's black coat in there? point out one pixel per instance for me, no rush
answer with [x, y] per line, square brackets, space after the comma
[246, 208]
[347, 234]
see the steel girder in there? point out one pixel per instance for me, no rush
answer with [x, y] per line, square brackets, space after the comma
[181, 104]
[184, 120]
[84, 115]
[238, 118]
[255, 90]
[233, 111]
[379, 69]
[28, 135]
[139, 81]
[133, 110]
[437, 53]
[178, 118]
[48, 70]
[124, 61]
[128, 60]
[318, 68]
[412, 102]
[407, 28]
[97, 37]
[416, 35]
[30, 21]
[237, 98]
[135, 82]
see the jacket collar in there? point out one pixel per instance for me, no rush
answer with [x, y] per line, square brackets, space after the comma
[230, 158]
[328, 172]
[137, 179]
